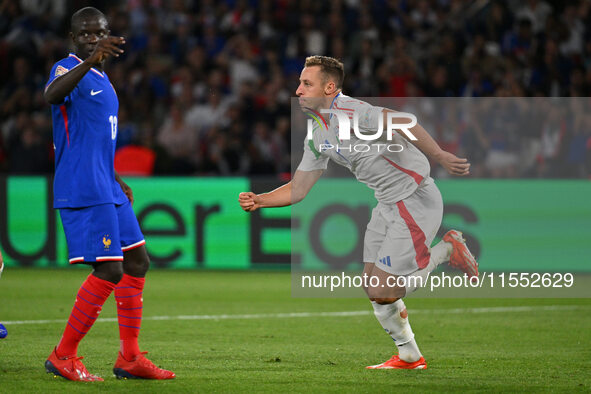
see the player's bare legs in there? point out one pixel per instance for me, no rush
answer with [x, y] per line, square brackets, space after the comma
[136, 262]
[131, 362]
[111, 271]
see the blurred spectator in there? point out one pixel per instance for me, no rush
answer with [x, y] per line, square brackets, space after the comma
[179, 140]
[519, 43]
[127, 132]
[261, 151]
[536, 12]
[577, 145]
[204, 116]
[29, 151]
[551, 134]
[498, 21]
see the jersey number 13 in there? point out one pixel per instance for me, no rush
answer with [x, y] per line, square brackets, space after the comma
[113, 121]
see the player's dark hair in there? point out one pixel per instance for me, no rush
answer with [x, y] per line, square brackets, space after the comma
[82, 14]
[330, 67]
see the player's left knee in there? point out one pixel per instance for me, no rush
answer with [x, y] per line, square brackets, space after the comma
[136, 262]
[137, 266]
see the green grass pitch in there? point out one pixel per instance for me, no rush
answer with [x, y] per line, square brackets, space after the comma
[545, 346]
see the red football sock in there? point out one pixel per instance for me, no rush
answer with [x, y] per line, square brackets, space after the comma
[128, 295]
[89, 301]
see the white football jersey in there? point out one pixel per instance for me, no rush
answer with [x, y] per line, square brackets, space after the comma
[393, 169]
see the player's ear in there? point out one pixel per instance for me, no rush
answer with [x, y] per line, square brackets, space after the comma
[330, 88]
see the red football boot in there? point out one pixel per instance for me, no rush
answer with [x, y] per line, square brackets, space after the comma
[139, 368]
[70, 368]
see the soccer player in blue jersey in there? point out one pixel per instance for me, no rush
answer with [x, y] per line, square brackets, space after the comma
[94, 203]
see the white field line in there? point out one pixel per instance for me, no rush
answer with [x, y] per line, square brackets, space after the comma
[500, 309]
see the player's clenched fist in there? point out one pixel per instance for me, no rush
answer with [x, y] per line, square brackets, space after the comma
[105, 47]
[249, 201]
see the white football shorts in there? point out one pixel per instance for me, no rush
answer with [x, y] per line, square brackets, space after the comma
[398, 237]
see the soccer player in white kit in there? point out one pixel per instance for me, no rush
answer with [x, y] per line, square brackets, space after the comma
[409, 210]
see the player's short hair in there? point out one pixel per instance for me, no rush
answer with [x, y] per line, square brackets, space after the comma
[84, 13]
[329, 66]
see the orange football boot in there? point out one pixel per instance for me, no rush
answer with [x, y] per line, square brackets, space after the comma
[396, 363]
[461, 258]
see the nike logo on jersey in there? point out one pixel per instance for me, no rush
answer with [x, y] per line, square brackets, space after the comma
[93, 93]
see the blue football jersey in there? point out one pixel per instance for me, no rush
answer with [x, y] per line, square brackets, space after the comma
[84, 137]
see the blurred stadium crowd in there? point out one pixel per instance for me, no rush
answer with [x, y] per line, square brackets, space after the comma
[204, 86]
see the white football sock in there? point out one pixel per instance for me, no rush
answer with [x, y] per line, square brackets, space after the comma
[399, 329]
[439, 254]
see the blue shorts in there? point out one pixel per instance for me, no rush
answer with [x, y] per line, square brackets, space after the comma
[101, 232]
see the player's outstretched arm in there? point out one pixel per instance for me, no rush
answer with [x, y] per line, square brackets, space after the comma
[288, 194]
[453, 164]
[60, 87]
